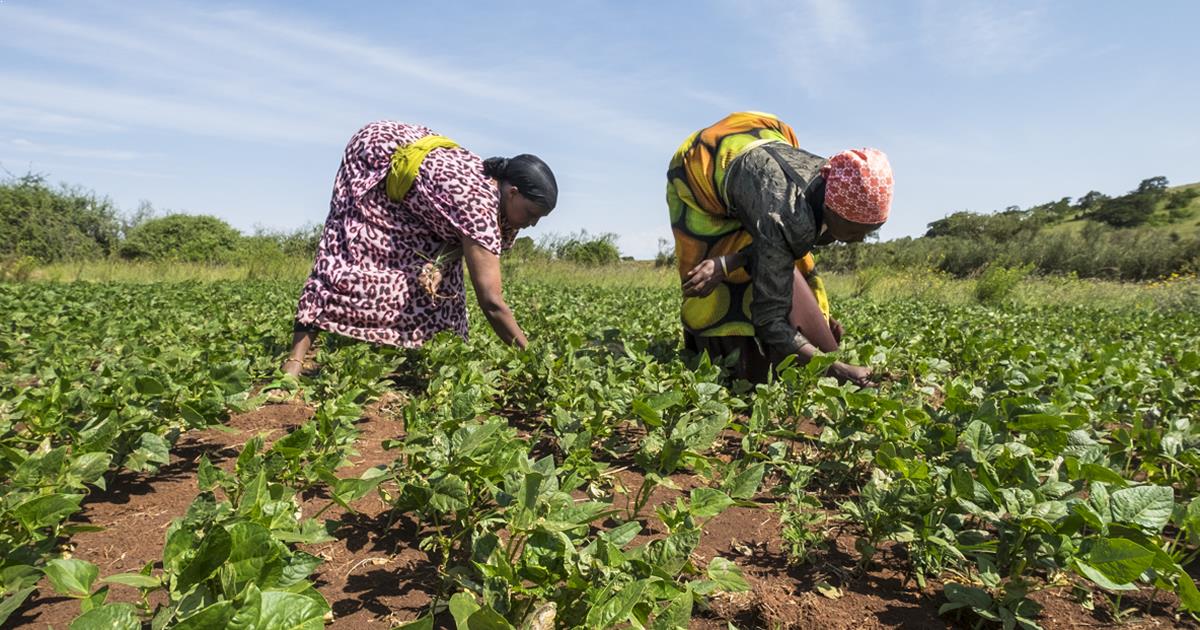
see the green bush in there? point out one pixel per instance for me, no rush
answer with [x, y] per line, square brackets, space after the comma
[301, 242]
[996, 283]
[583, 248]
[182, 237]
[865, 279]
[524, 249]
[52, 225]
[1127, 211]
[666, 256]
[1179, 202]
[16, 268]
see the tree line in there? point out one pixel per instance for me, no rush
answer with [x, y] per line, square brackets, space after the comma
[47, 224]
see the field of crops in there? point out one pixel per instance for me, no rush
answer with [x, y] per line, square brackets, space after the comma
[1016, 467]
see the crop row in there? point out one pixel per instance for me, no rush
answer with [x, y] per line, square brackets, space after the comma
[1005, 451]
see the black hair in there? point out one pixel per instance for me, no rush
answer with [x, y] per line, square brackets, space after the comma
[531, 176]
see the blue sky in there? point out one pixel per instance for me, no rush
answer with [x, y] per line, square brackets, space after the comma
[241, 110]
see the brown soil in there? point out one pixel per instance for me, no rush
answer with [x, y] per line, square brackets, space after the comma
[375, 576]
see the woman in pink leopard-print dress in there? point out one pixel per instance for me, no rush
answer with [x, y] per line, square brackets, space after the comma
[375, 277]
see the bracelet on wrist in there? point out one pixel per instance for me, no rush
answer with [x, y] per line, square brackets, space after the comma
[724, 270]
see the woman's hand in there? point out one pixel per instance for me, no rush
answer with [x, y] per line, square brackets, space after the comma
[703, 278]
[856, 374]
[835, 327]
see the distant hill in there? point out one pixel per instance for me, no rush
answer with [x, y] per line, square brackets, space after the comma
[1150, 232]
[1184, 220]
[1152, 203]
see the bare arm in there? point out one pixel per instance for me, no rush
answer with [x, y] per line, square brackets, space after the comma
[710, 272]
[484, 267]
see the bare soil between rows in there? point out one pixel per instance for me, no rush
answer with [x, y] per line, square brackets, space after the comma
[375, 576]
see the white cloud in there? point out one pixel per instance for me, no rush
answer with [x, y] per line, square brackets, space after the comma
[811, 39]
[836, 24]
[244, 74]
[23, 146]
[982, 38]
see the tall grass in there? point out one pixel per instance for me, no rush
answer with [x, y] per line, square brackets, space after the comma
[1180, 291]
[116, 270]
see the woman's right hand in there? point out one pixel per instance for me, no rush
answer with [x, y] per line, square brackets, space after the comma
[703, 278]
[856, 374]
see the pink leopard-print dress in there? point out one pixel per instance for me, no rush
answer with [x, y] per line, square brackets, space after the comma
[365, 282]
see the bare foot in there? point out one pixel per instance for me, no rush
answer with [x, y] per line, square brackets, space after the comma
[292, 367]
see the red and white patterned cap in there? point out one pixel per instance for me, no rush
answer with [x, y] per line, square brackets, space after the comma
[858, 185]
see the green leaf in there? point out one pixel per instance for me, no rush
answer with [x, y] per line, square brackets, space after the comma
[194, 418]
[289, 611]
[1099, 578]
[527, 496]
[976, 598]
[676, 615]
[252, 549]
[469, 438]
[148, 386]
[136, 580]
[217, 615]
[152, 452]
[1189, 597]
[727, 575]
[88, 467]
[1147, 506]
[649, 415]
[462, 606]
[662, 402]
[745, 484]
[1096, 472]
[95, 600]
[622, 534]
[13, 601]
[248, 606]
[47, 510]
[210, 555]
[109, 617]
[707, 502]
[449, 492]
[1040, 422]
[73, 577]
[487, 619]
[207, 475]
[616, 608]
[297, 568]
[1119, 559]
[1089, 516]
[310, 532]
[347, 490]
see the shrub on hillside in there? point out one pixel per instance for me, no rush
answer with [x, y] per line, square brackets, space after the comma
[1180, 200]
[583, 248]
[1126, 211]
[51, 225]
[184, 238]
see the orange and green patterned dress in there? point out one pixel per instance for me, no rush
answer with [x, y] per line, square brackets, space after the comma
[704, 227]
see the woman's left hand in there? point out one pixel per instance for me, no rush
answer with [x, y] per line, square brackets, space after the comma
[703, 278]
[835, 327]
